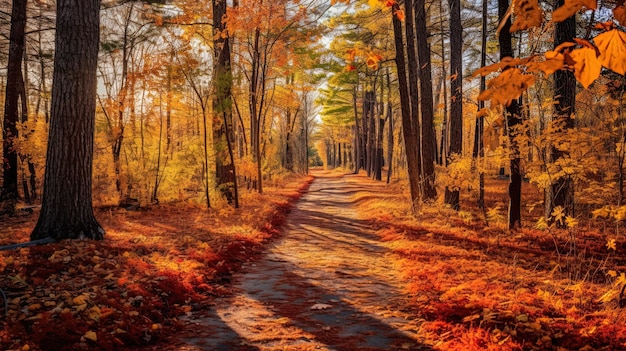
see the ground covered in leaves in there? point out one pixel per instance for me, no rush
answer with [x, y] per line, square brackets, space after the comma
[128, 291]
[477, 286]
[468, 283]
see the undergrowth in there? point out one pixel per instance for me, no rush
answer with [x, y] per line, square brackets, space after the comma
[477, 286]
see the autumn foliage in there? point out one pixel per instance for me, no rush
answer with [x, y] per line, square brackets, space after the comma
[478, 287]
[586, 58]
[130, 290]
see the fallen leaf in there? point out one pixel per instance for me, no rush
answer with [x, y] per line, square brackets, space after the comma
[91, 335]
[80, 300]
[321, 306]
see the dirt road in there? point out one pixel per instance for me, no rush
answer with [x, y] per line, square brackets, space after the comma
[325, 285]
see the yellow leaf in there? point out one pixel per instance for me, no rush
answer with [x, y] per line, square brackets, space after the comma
[612, 273]
[588, 65]
[80, 300]
[558, 214]
[156, 326]
[612, 46]
[26, 347]
[91, 335]
[94, 313]
[620, 214]
[527, 13]
[610, 245]
[602, 212]
[541, 224]
[571, 222]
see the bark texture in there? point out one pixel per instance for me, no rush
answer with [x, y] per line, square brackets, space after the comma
[456, 86]
[67, 202]
[14, 88]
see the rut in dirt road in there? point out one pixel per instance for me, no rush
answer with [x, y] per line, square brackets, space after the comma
[325, 285]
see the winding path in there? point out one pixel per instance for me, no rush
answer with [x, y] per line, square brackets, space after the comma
[325, 285]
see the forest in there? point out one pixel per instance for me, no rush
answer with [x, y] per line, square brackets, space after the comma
[313, 174]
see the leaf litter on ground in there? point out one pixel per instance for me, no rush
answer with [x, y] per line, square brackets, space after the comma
[128, 290]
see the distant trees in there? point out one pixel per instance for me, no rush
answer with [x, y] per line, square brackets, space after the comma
[14, 93]
[538, 147]
[452, 196]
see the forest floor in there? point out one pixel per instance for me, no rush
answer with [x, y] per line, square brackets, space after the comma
[350, 269]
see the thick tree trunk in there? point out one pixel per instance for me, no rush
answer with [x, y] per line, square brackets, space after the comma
[409, 127]
[429, 140]
[413, 72]
[14, 81]
[225, 176]
[456, 87]
[66, 210]
[513, 119]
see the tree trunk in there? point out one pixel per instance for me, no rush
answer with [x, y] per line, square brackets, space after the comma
[409, 127]
[66, 210]
[429, 140]
[357, 134]
[456, 93]
[14, 83]
[562, 190]
[29, 177]
[390, 141]
[225, 176]
[512, 119]
[479, 151]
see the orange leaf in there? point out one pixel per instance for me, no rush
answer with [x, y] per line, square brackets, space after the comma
[588, 66]
[505, 62]
[605, 25]
[612, 46]
[373, 60]
[506, 87]
[528, 14]
[554, 61]
[585, 43]
[570, 8]
[351, 54]
[400, 15]
[619, 12]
